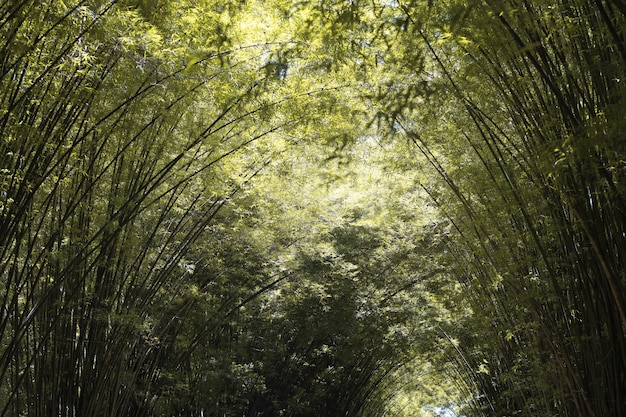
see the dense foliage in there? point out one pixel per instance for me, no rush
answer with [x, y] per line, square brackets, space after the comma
[254, 208]
[535, 190]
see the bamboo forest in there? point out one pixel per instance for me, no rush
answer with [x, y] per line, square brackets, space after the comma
[312, 208]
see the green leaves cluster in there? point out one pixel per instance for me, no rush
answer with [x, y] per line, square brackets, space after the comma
[323, 208]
